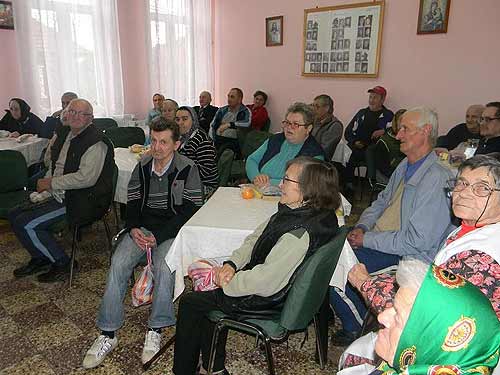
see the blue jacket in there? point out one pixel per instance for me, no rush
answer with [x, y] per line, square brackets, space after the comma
[243, 119]
[425, 212]
[355, 131]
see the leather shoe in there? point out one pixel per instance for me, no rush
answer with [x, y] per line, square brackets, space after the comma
[343, 338]
[35, 265]
[56, 273]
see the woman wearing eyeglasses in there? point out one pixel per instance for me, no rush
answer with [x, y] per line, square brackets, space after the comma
[471, 251]
[258, 276]
[266, 166]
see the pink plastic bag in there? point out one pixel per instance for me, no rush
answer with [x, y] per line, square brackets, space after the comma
[202, 274]
[142, 292]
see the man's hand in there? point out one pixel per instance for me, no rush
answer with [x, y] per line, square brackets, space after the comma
[223, 275]
[355, 237]
[261, 180]
[14, 135]
[222, 128]
[378, 133]
[44, 184]
[141, 240]
[358, 275]
[359, 145]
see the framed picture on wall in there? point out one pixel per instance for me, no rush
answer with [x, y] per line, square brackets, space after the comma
[274, 31]
[6, 15]
[433, 16]
[351, 34]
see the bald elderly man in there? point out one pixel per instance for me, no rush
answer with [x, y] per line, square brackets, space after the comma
[462, 132]
[205, 110]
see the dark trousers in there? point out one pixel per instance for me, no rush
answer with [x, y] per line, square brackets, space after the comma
[32, 229]
[194, 333]
[357, 157]
[351, 308]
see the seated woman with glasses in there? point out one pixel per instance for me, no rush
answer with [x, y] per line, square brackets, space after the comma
[258, 275]
[18, 119]
[266, 166]
[471, 251]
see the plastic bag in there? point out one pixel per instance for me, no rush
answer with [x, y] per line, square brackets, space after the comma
[202, 274]
[142, 292]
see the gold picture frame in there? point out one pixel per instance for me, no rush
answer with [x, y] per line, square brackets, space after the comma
[274, 31]
[431, 19]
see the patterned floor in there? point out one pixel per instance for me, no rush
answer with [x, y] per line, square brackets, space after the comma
[47, 328]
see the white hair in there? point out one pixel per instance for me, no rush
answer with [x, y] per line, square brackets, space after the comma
[411, 274]
[427, 116]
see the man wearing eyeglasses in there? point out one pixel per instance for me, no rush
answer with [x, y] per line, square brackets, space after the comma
[489, 129]
[409, 218]
[79, 179]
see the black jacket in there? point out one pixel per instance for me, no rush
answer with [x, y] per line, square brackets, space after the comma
[206, 116]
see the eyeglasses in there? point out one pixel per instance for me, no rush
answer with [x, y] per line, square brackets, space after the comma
[72, 112]
[292, 125]
[479, 189]
[488, 119]
[285, 178]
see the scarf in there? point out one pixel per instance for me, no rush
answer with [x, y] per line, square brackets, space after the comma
[25, 110]
[452, 330]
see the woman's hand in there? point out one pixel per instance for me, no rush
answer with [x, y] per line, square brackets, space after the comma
[223, 275]
[261, 180]
[358, 275]
[14, 135]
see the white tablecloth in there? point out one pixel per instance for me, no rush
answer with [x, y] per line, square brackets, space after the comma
[126, 162]
[31, 148]
[219, 228]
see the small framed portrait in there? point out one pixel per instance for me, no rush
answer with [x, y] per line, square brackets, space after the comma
[339, 67]
[335, 22]
[358, 56]
[368, 32]
[274, 31]
[359, 43]
[315, 35]
[326, 56]
[345, 56]
[368, 20]
[325, 67]
[341, 22]
[345, 66]
[364, 56]
[361, 21]
[364, 67]
[314, 46]
[361, 32]
[340, 44]
[334, 44]
[340, 56]
[333, 56]
[334, 34]
[340, 34]
[318, 56]
[309, 35]
[357, 68]
[309, 24]
[347, 43]
[332, 68]
[366, 43]
[433, 16]
[6, 15]
[312, 56]
[308, 57]
[348, 22]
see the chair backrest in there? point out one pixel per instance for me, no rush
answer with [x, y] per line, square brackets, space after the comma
[14, 171]
[311, 284]
[253, 140]
[267, 125]
[125, 136]
[104, 123]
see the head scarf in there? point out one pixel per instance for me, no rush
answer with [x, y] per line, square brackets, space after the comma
[25, 109]
[452, 330]
[185, 137]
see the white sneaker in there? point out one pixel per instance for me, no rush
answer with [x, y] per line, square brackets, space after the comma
[102, 346]
[152, 345]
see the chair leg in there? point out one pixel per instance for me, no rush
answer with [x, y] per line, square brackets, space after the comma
[321, 329]
[117, 220]
[108, 235]
[213, 347]
[74, 247]
[269, 356]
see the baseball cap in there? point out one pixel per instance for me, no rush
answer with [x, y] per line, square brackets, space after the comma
[379, 90]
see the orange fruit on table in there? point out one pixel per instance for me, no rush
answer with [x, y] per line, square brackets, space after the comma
[247, 193]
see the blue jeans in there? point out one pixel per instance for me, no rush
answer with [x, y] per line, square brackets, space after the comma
[32, 229]
[126, 257]
[350, 307]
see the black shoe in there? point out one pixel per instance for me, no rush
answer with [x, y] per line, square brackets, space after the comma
[343, 338]
[35, 265]
[56, 273]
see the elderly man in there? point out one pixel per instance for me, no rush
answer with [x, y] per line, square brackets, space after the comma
[367, 125]
[462, 132]
[490, 129]
[408, 219]
[227, 119]
[53, 122]
[80, 181]
[157, 108]
[205, 111]
[163, 193]
[327, 129]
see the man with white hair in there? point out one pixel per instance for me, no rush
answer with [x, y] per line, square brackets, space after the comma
[409, 218]
[205, 111]
[54, 121]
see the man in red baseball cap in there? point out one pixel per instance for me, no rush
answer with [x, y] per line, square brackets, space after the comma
[367, 125]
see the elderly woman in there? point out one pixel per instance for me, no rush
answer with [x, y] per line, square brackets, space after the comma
[19, 120]
[260, 117]
[439, 324]
[266, 166]
[196, 145]
[470, 251]
[259, 274]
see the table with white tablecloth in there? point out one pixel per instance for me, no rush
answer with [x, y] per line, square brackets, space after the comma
[126, 162]
[31, 148]
[221, 225]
